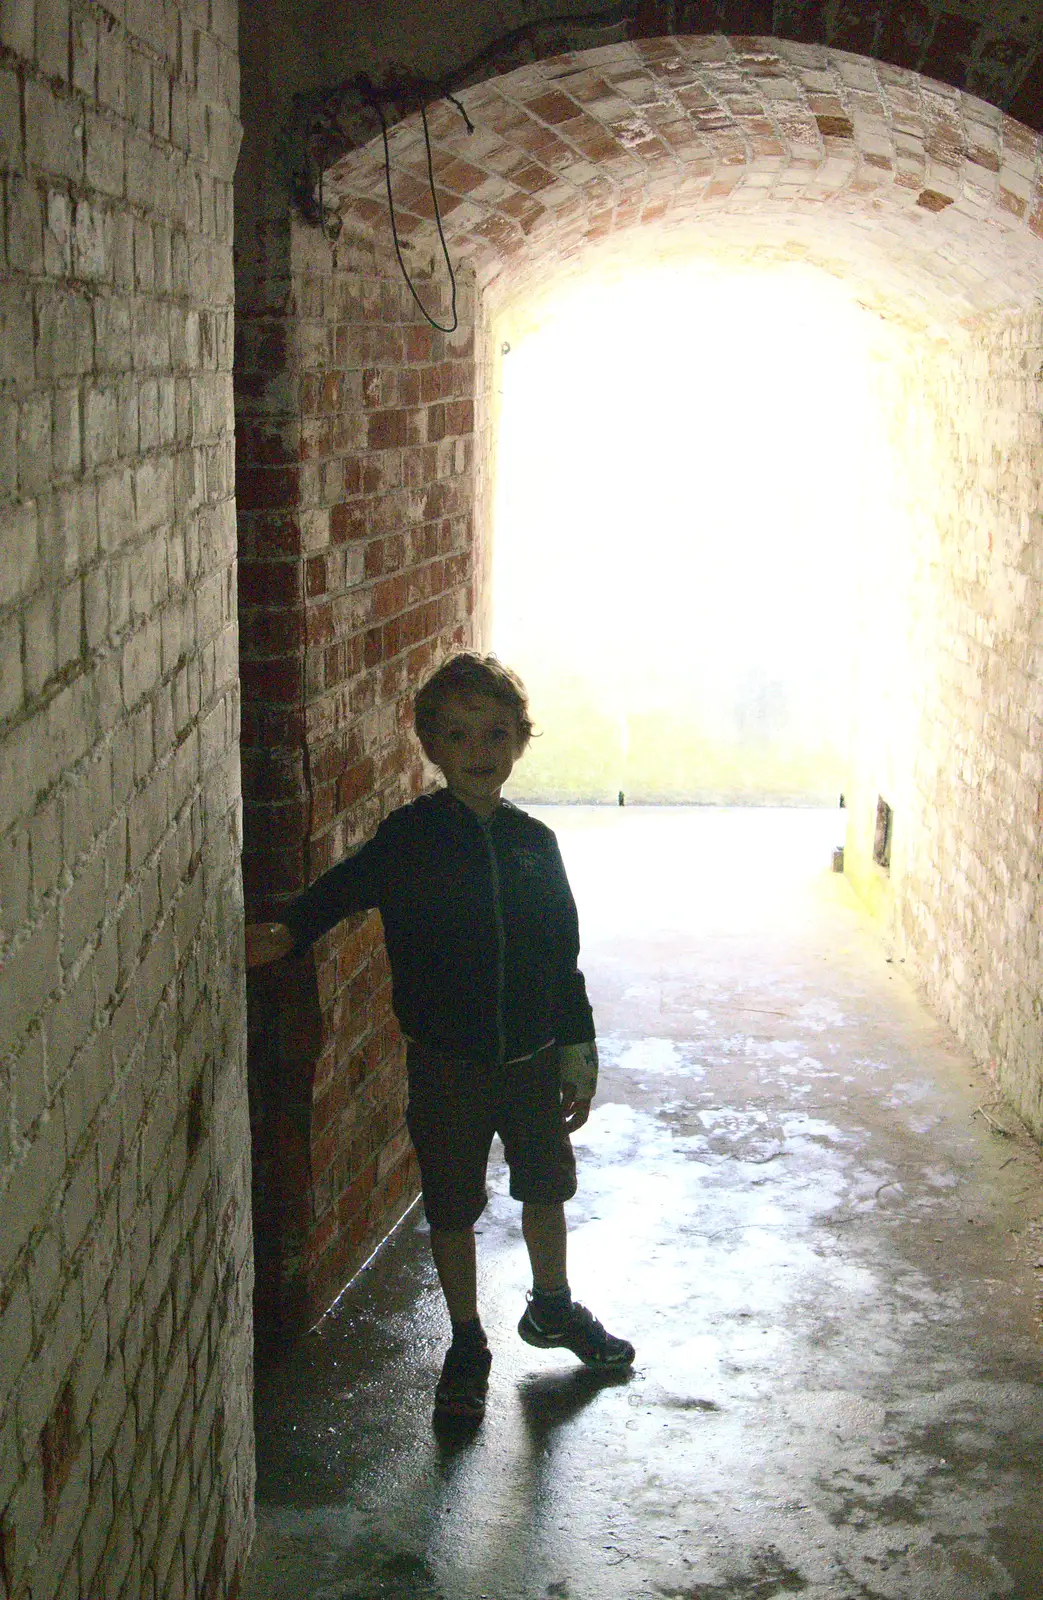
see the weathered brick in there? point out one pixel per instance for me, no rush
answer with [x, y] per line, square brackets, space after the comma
[85, 54]
[141, 664]
[19, 534]
[138, 69]
[35, 462]
[41, 653]
[117, 520]
[16, 1336]
[100, 427]
[154, 493]
[69, 529]
[66, 432]
[12, 684]
[31, 1188]
[112, 333]
[150, 335]
[53, 39]
[105, 168]
[16, 27]
[25, 214]
[65, 338]
[30, 1085]
[58, 236]
[45, 842]
[155, 25]
[53, 130]
[10, 120]
[16, 333]
[89, 251]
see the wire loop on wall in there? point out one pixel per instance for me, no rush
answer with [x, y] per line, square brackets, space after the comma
[455, 323]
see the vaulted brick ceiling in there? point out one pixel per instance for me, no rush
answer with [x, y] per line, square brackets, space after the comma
[929, 201]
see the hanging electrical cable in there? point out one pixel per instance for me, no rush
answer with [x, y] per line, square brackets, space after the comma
[323, 133]
[328, 122]
[455, 323]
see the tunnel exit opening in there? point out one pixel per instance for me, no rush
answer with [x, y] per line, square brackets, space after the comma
[696, 471]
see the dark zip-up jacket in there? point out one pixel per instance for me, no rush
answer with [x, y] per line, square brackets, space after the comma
[479, 923]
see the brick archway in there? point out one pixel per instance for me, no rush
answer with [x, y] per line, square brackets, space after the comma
[883, 174]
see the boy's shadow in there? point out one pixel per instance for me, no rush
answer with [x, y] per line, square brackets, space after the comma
[546, 1401]
[553, 1398]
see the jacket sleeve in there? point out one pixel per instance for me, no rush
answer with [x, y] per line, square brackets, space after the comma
[574, 1020]
[352, 885]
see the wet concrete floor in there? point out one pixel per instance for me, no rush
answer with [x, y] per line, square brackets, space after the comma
[797, 1198]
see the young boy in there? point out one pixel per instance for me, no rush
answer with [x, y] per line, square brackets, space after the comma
[483, 941]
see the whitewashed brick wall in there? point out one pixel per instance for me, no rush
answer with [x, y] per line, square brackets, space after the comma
[125, 1435]
[951, 719]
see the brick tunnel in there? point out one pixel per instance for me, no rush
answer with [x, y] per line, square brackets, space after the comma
[302, 538]
[365, 517]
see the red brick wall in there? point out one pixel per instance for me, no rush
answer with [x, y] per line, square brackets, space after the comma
[355, 448]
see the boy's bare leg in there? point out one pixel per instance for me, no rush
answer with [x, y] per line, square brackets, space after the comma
[543, 1228]
[454, 1256]
[552, 1320]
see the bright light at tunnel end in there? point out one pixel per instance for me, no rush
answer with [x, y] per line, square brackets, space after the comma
[693, 466]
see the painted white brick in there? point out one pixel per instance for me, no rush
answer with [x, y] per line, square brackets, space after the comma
[25, 222]
[26, 1511]
[53, 39]
[84, 563]
[105, 163]
[53, 130]
[12, 682]
[154, 492]
[65, 338]
[16, 1337]
[85, 55]
[89, 252]
[19, 569]
[8, 452]
[117, 520]
[141, 664]
[65, 442]
[57, 239]
[112, 333]
[100, 427]
[41, 648]
[35, 466]
[32, 1187]
[16, 333]
[10, 121]
[16, 27]
[127, 392]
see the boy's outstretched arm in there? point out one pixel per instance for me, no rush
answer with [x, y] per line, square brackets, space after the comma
[352, 885]
[267, 941]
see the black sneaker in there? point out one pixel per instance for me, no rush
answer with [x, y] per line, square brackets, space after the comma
[461, 1390]
[580, 1332]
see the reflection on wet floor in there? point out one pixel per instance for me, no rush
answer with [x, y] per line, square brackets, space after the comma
[827, 1256]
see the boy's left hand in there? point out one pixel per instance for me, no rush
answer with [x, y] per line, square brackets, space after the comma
[574, 1110]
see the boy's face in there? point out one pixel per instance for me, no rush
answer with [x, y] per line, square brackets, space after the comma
[475, 743]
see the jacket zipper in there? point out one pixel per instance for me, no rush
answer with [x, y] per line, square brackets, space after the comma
[501, 942]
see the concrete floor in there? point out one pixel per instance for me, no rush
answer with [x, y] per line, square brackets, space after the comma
[796, 1199]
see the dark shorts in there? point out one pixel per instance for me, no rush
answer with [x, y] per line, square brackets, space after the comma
[455, 1108]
